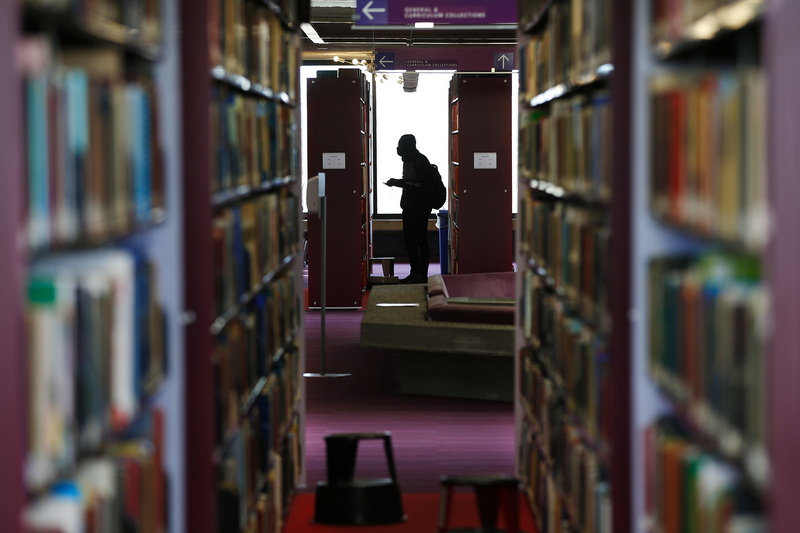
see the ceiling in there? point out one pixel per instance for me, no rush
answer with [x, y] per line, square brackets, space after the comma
[334, 21]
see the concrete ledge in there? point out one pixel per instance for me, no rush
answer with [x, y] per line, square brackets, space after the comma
[408, 328]
[481, 377]
[463, 360]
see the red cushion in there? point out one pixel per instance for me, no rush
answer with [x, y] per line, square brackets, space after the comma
[482, 285]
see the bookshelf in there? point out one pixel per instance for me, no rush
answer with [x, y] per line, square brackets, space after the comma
[571, 249]
[701, 258]
[779, 25]
[479, 203]
[244, 355]
[700, 93]
[339, 116]
[12, 450]
[88, 351]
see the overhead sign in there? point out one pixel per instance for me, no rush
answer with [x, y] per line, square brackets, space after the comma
[464, 59]
[400, 12]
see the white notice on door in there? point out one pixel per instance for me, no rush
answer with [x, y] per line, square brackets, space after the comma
[332, 160]
[485, 160]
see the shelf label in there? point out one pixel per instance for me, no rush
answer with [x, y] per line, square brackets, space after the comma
[333, 160]
[402, 12]
[478, 59]
[503, 61]
[485, 160]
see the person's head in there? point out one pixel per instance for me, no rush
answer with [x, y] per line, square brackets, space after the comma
[407, 145]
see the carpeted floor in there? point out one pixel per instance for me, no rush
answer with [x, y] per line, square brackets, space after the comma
[431, 436]
[421, 509]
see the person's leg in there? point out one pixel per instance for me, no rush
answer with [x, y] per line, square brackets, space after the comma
[424, 249]
[415, 235]
[410, 241]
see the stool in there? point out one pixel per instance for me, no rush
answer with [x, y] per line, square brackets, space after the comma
[491, 493]
[345, 500]
[387, 265]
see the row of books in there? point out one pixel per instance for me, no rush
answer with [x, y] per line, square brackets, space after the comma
[677, 20]
[250, 374]
[251, 240]
[247, 37]
[568, 361]
[271, 501]
[93, 152]
[690, 489]
[569, 248]
[569, 145]
[252, 138]
[96, 352]
[122, 490]
[129, 21]
[568, 493]
[256, 476]
[707, 337]
[708, 169]
[569, 50]
[531, 11]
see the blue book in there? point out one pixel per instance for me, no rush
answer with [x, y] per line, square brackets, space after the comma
[141, 160]
[36, 92]
[239, 255]
[76, 89]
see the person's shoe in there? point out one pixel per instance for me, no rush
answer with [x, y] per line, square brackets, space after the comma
[418, 278]
[407, 279]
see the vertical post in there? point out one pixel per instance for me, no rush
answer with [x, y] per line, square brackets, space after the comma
[323, 212]
[12, 272]
[323, 216]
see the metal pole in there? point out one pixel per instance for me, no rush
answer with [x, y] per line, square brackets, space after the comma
[324, 267]
[323, 214]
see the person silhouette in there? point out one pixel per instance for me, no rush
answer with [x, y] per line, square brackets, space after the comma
[416, 207]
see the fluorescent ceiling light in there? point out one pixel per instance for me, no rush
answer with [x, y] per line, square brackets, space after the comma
[423, 24]
[334, 3]
[311, 33]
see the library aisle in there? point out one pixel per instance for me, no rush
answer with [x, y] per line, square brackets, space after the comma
[431, 435]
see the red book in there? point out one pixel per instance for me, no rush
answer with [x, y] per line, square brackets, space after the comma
[676, 154]
[132, 489]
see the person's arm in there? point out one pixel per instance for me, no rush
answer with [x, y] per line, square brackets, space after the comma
[394, 182]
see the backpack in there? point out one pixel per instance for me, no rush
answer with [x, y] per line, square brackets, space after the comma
[436, 192]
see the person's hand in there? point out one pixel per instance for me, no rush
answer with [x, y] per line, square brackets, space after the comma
[394, 182]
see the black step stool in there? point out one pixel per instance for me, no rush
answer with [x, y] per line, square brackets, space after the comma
[345, 500]
[492, 492]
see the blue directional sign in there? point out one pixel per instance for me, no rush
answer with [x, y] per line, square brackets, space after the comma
[385, 61]
[373, 11]
[403, 12]
[503, 61]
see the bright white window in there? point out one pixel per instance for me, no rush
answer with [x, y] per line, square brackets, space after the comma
[423, 113]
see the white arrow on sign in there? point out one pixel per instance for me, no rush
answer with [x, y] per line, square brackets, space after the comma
[503, 58]
[383, 61]
[369, 10]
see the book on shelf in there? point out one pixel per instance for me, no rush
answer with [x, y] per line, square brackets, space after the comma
[690, 488]
[707, 338]
[708, 169]
[92, 150]
[569, 145]
[94, 345]
[568, 49]
[124, 488]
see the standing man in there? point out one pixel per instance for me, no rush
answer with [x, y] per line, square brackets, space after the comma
[416, 207]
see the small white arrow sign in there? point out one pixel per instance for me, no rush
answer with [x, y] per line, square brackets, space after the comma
[503, 58]
[383, 61]
[369, 10]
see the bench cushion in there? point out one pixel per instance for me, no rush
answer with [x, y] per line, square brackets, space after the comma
[484, 298]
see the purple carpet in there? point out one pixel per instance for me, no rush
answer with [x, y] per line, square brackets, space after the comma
[431, 436]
